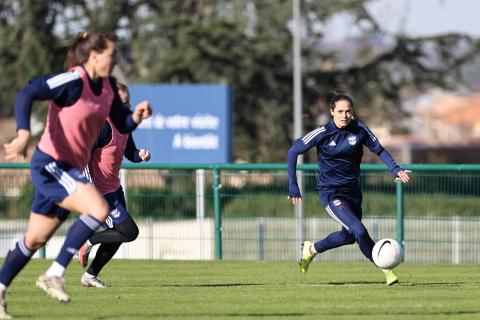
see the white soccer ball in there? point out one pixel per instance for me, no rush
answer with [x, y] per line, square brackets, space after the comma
[387, 253]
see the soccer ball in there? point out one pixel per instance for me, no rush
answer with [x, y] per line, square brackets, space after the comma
[387, 253]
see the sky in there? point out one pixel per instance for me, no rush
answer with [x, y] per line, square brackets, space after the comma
[416, 18]
[427, 17]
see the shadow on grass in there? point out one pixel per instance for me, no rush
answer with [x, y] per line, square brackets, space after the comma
[353, 283]
[418, 314]
[291, 314]
[400, 284]
[213, 285]
[207, 315]
[439, 284]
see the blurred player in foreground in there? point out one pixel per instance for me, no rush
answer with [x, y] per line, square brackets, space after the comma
[104, 171]
[339, 150]
[81, 98]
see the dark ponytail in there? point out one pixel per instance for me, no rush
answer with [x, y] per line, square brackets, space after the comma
[84, 43]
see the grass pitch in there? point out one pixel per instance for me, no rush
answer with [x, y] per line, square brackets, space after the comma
[253, 290]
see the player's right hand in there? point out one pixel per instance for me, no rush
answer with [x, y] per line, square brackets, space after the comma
[295, 200]
[17, 148]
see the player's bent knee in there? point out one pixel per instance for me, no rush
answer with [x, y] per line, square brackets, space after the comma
[349, 239]
[133, 234]
[35, 243]
[359, 231]
[100, 213]
[130, 230]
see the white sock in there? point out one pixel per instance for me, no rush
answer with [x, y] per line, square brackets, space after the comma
[312, 249]
[55, 270]
[2, 287]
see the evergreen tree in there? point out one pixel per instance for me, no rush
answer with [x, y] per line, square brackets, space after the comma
[246, 44]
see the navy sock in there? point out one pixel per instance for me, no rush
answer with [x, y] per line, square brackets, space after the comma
[78, 233]
[15, 260]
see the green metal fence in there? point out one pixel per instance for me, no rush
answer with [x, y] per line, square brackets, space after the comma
[241, 211]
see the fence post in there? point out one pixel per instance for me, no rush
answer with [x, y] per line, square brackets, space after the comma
[299, 214]
[42, 252]
[261, 240]
[400, 211]
[456, 238]
[200, 190]
[218, 213]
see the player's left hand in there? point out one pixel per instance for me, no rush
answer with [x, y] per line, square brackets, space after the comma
[142, 111]
[403, 176]
[144, 154]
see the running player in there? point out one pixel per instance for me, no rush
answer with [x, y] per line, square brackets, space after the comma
[104, 171]
[81, 98]
[339, 150]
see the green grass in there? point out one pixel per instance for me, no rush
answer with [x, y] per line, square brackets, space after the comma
[254, 290]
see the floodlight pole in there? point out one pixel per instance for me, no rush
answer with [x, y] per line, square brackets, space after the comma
[297, 109]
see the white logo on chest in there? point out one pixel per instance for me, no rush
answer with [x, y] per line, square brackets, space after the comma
[332, 144]
[352, 140]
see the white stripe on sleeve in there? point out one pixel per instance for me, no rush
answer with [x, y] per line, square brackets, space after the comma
[62, 78]
[312, 134]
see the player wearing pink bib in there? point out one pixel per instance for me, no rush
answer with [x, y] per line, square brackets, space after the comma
[104, 169]
[106, 160]
[69, 132]
[80, 100]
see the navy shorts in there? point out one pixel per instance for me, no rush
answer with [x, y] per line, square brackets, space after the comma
[118, 208]
[53, 180]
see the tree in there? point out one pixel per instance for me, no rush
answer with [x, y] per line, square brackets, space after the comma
[25, 28]
[246, 44]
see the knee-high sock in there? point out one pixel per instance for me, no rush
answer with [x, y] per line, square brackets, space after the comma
[110, 240]
[105, 252]
[78, 233]
[16, 259]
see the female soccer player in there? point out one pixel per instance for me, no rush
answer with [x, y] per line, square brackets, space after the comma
[104, 170]
[81, 99]
[339, 150]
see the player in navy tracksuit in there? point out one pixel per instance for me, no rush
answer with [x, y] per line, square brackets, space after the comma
[339, 150]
